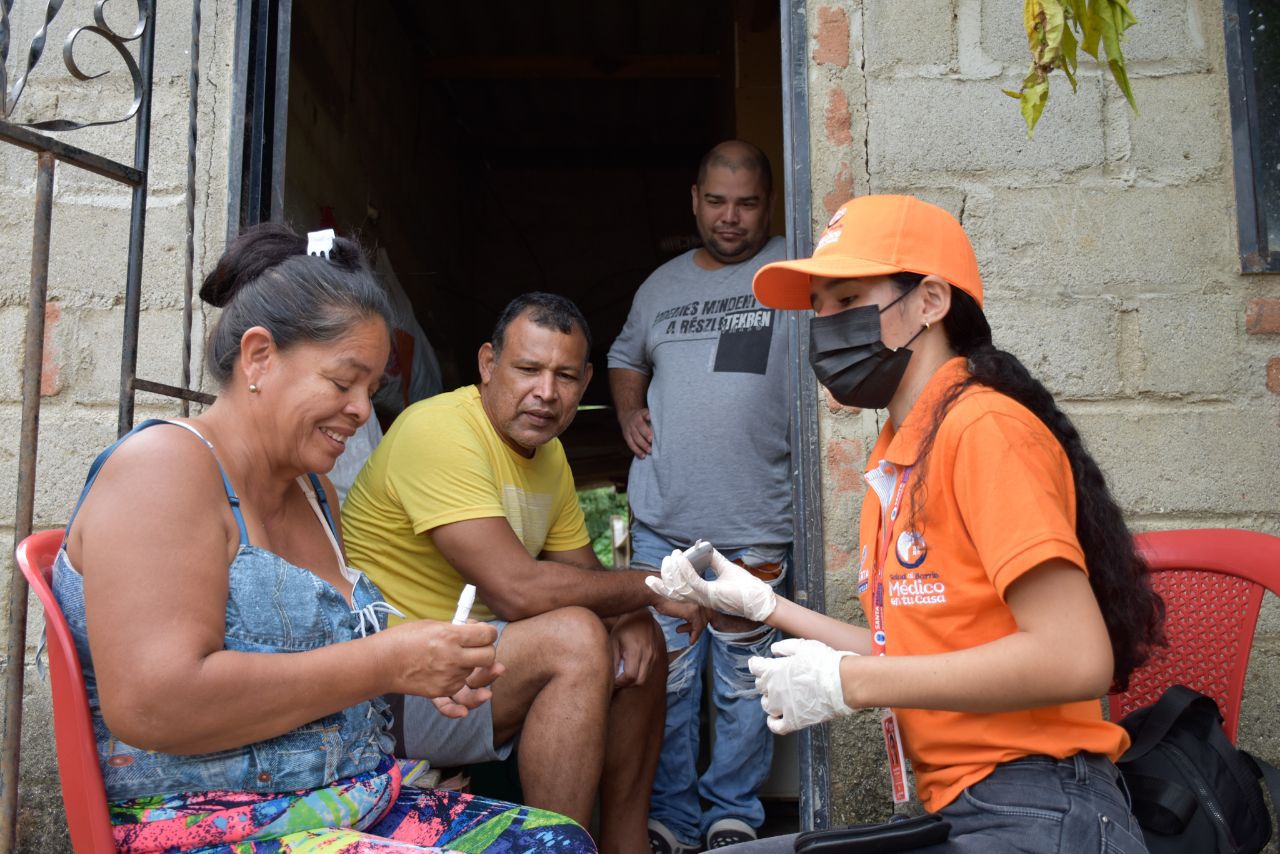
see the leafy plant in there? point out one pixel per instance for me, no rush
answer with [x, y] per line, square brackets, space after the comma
[599, 506]
[1056, 31]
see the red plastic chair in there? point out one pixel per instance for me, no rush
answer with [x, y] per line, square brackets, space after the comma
[1212, 581]
[83, 792]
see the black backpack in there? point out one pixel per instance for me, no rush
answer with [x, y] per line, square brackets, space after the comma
[1192, 790]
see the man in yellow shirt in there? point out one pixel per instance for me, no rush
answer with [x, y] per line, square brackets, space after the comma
[473, 487]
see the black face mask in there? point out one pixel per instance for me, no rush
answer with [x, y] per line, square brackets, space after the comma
[851, 361]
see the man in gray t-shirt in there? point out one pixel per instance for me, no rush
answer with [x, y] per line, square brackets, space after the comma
[699, 379]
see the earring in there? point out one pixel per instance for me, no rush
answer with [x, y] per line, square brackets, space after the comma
[926, 324]
[253, 388]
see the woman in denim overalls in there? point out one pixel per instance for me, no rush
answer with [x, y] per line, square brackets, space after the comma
[235, 664]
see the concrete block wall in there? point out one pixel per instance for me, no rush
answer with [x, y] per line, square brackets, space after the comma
[84, 313]
[1108, 248]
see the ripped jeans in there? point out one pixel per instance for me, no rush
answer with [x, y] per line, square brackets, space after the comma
[742, 746]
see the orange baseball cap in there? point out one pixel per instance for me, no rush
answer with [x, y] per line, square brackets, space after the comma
[876, 236]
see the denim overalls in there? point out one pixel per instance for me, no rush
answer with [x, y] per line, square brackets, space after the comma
[272, 606]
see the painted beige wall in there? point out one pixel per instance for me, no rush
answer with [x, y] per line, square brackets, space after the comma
[1108, 249]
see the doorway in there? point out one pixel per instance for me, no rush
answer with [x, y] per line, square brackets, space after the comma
[490, 150]
[483, 151]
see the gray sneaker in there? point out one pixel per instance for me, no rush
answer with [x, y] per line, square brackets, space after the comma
[729, 831]
[663, 841]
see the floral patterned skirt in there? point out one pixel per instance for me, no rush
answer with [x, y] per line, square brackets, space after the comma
[367, 813]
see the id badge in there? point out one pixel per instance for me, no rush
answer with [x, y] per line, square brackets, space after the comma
[897, 760]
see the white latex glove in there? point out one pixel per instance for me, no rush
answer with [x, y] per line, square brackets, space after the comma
[733, 591]
[801, 686]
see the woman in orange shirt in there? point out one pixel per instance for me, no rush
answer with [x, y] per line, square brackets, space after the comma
[1002, 588]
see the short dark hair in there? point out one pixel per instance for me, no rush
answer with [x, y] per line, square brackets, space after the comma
[550, 311]
[266, 278]
[753, 159]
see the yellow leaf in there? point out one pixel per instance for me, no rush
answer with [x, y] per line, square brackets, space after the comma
[1031, 13]
[1054, 24]
[1032, 104]
[1057, 30]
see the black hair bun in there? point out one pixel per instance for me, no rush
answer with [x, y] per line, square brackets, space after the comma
[256, 250]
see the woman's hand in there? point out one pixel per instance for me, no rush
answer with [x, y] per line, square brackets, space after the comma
[475, 692]
[801, 686]
[733, 591]
[435, 659]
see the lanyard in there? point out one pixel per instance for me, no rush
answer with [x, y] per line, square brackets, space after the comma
[888, 721]
[877, 578]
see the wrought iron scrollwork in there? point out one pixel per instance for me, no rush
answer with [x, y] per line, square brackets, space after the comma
[100, 28]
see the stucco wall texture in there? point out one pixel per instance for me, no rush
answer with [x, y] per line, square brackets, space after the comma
[1108, 246]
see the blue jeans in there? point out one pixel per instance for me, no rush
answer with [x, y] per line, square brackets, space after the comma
[1033, 805]
[742, 752]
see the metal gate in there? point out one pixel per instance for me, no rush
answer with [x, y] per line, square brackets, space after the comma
[136, 49]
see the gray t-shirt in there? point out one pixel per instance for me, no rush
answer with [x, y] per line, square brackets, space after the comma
[718, 399]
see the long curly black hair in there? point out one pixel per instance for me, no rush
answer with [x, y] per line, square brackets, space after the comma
[1132, 610]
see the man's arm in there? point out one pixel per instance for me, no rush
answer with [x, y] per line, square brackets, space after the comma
[515, 586]
[629, 398]
[583, 557]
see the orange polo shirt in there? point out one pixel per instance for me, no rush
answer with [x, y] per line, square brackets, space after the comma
[998, 500]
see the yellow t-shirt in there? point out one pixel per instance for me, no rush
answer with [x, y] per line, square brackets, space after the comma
[442, 462]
